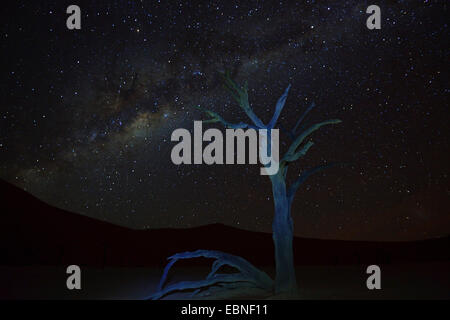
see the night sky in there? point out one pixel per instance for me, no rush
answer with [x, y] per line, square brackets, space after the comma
[86, 115]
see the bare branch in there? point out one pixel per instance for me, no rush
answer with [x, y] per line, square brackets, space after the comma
[294, 130]
[293, 148]
[301, 153]
[186, 285]
[241, 96]
[222, 258]
[279, 107]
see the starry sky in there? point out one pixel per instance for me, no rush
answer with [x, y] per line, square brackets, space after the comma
[86, 115]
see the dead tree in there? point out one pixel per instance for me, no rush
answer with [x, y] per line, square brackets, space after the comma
[249, 279]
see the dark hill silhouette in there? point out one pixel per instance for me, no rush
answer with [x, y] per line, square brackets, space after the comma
[35, 233]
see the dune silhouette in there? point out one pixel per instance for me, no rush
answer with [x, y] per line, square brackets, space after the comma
[35, 233]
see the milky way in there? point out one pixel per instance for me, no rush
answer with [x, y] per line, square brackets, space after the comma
[87, 115]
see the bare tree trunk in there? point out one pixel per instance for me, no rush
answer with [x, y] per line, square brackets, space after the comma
[282, 227]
